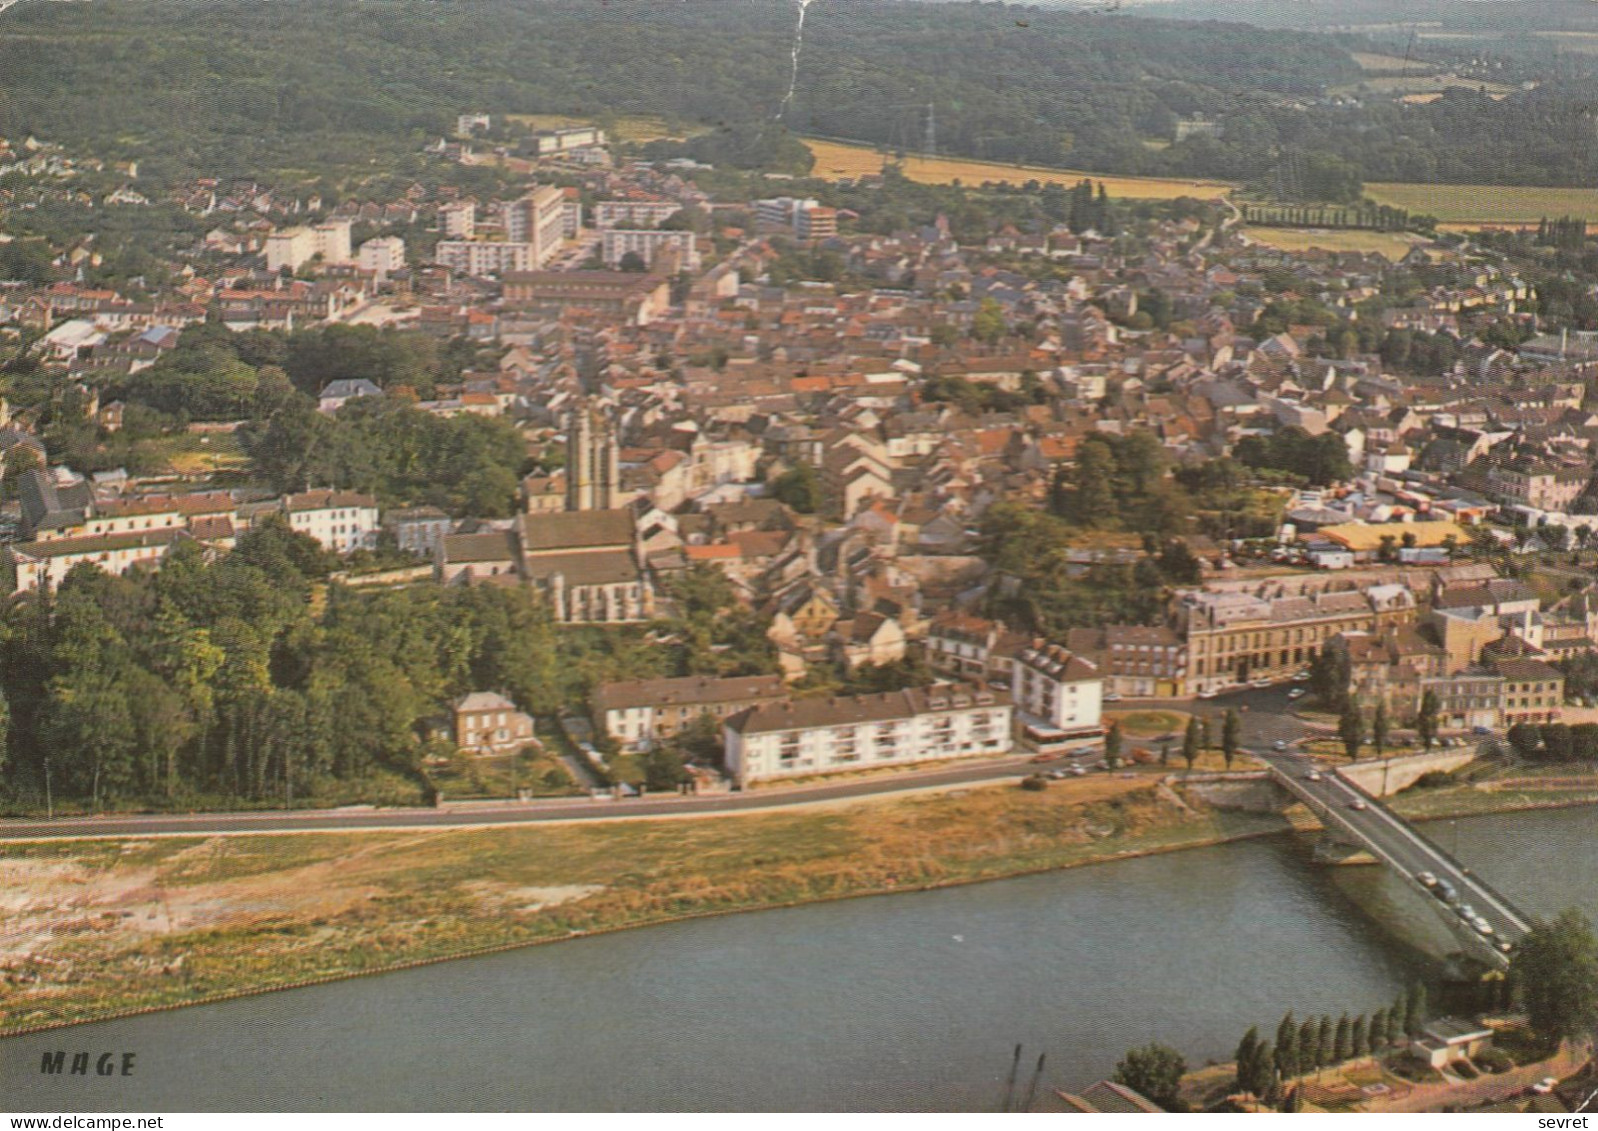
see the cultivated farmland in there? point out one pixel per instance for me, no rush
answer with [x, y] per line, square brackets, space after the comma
[837, 160]
[1487, 204]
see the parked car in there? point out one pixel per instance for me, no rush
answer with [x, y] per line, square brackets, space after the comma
[1302, 676]
[1278, 745]
[1112, 697]
[1261, 683]
[1207, 694]
[1296, 693]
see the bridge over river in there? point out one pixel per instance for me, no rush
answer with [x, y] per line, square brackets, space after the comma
[1356, 816]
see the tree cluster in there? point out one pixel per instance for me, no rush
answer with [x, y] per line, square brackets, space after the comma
[1320, 460]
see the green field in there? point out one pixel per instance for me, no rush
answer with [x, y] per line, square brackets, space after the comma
[1487, 204]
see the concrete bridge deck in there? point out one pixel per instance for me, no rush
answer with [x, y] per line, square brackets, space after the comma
[1350, 812]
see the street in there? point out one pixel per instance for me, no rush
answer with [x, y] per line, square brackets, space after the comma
[506, 813]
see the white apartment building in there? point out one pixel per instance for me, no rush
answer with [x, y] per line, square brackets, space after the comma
[1058, 689]
[805, 218]
[538, 218]
[458, 221]
[617, 243]
[382, 256]
[294, 247]
[341, 521]
[634, 213]
[484, 257]
[546, 143]
[805, 737]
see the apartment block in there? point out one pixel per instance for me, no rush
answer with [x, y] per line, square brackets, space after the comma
[806, 737]
[382, 256]
[292, 248]
[484, 257]
[617, 243]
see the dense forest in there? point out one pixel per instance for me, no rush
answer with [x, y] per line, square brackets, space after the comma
[252, 679]
[322, 88]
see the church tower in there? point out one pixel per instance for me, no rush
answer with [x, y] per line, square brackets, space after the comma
[593, 459]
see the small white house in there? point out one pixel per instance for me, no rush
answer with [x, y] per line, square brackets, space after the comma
[1449, 1039]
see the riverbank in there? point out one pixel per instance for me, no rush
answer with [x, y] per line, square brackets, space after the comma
[96, 929]
[108, 928]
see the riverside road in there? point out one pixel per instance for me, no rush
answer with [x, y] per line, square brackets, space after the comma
[1266, 714]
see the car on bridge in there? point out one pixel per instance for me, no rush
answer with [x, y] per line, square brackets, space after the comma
[1426, 879]
[1357, 803]
[1314, 775]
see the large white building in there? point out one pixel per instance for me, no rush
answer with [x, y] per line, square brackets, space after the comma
[617, 243]
[538, 218]
[1058, 689]
[294, 247]
[484, 257]
[382, 256]
[801, 738]
[547, 143]
[342, 521]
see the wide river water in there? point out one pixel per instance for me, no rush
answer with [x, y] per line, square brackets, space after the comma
[910, 1001]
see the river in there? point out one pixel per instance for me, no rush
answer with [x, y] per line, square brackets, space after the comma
[910, 1001]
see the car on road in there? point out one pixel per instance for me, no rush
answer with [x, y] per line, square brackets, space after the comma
[1313, 775]
[1301, 677]
[1279, 744]
[1296, 693]
[1545, 1085]
[1427, 879]
[1445, 891]
[1112, 697]
[1505, 946]
[1481, 730]
[1207, 694]
[1357, 803]
[1044, 758]
[1055, 775]
[1078, 771]
[1260, 683]
[1482, 926]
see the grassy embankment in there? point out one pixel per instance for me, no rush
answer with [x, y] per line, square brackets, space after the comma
[100, 927]
[1508, 789]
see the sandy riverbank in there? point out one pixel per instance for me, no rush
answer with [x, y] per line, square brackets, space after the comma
[102, 928]
[93, 929]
